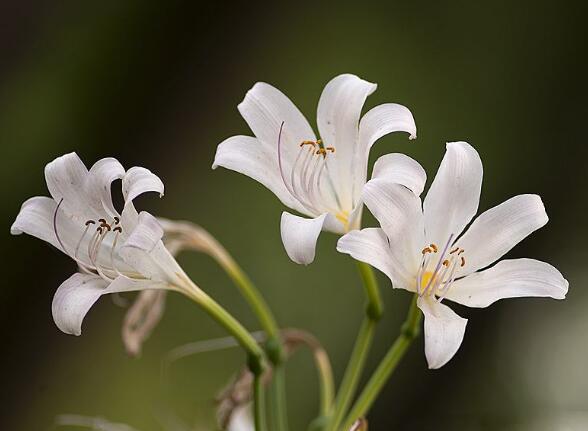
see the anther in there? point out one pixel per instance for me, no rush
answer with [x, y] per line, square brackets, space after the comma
[117, 229]
[116, 220]
[331, 149]
[454, 250]
[89, 222]
[322, 152]
[446, 262]
[312, 143]
[101, 220]
[462, 261]
[461, 251]
[426, 250]
[434, 247]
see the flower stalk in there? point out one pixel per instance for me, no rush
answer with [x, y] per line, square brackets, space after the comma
[408, 332]
[373, 313]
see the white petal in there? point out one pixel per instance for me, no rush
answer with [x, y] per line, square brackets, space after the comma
[454, 196]
[496, 231]
[66, 179]
[140, 180]
[36, 219]
[146, 234]
[77, 294]
[444, 331]
[251, 157]
[399, 212]
[338, 113]
[509, 279]
[371, 246]
[299, 236]
[264, 108]
[401, 169]
[102, 174]
[384, 119]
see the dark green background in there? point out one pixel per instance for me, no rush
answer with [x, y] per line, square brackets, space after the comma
[157, 84]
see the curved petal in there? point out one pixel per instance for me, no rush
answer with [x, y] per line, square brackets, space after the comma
[452, 200]
[372, 247]
[140, 180]
[264, 108]
[299, 236]
[77, 294]
[513, 278]
[399, 212]
[338, 113]
[66, 178]
[444, 331]
[496, 231]
[401, 169]
[36, 218]
[146, 234]
[99, 181]
[250, 157]
[385, 119]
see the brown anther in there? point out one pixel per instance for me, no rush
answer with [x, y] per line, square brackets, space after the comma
[117, 229]
[454, 250]
[446, 262]
[89, 222]
[101, 220]
[462, 261]
[434, 247]
[426, 250]
[331, 149]
[460, 252]
[116, 220]
[322, 152]
[312, 143]
[99, 229]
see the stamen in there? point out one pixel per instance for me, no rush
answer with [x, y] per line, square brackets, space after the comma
[116, 220]
[461, 251]
[434, 247]
[463, 262]
[427, 250]
[454, 250]
[446, 262]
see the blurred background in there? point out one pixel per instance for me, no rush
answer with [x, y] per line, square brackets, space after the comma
[156, 84]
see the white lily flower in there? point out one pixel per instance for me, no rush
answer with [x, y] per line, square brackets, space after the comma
[319, 178]
[420, 248]
[114, 252]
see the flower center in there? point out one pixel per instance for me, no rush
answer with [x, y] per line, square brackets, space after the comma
[97, 231]
[309, 180]
[439, 269]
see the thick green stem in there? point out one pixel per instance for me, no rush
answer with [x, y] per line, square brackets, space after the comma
[279, 401]
[409, 331]
[374, 309]
[259, 404]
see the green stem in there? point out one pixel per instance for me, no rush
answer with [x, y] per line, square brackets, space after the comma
[373, 313]
[410, 330]
[259, 404]
[280, 405]
[232, 325]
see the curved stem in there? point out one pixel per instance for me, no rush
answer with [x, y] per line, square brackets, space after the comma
[410, 330]
[259, 404]
[374, 310]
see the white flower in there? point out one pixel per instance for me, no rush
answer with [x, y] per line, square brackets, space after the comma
[420, 248]
[115, 252]
[321, 179]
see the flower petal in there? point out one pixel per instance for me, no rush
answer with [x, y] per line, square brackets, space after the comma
[338, 113]
[454, 196]
[384, 119]
[371, 246]
[140, 180]
[102, 174]
[264, 108]
[399, 212]
[146, 234]
[36, 219]
[250, 157]
[444, 331]
[299, 236]
[513, 278]
[401, 169]
[494, 232]
[66, 179]
[77, 294]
